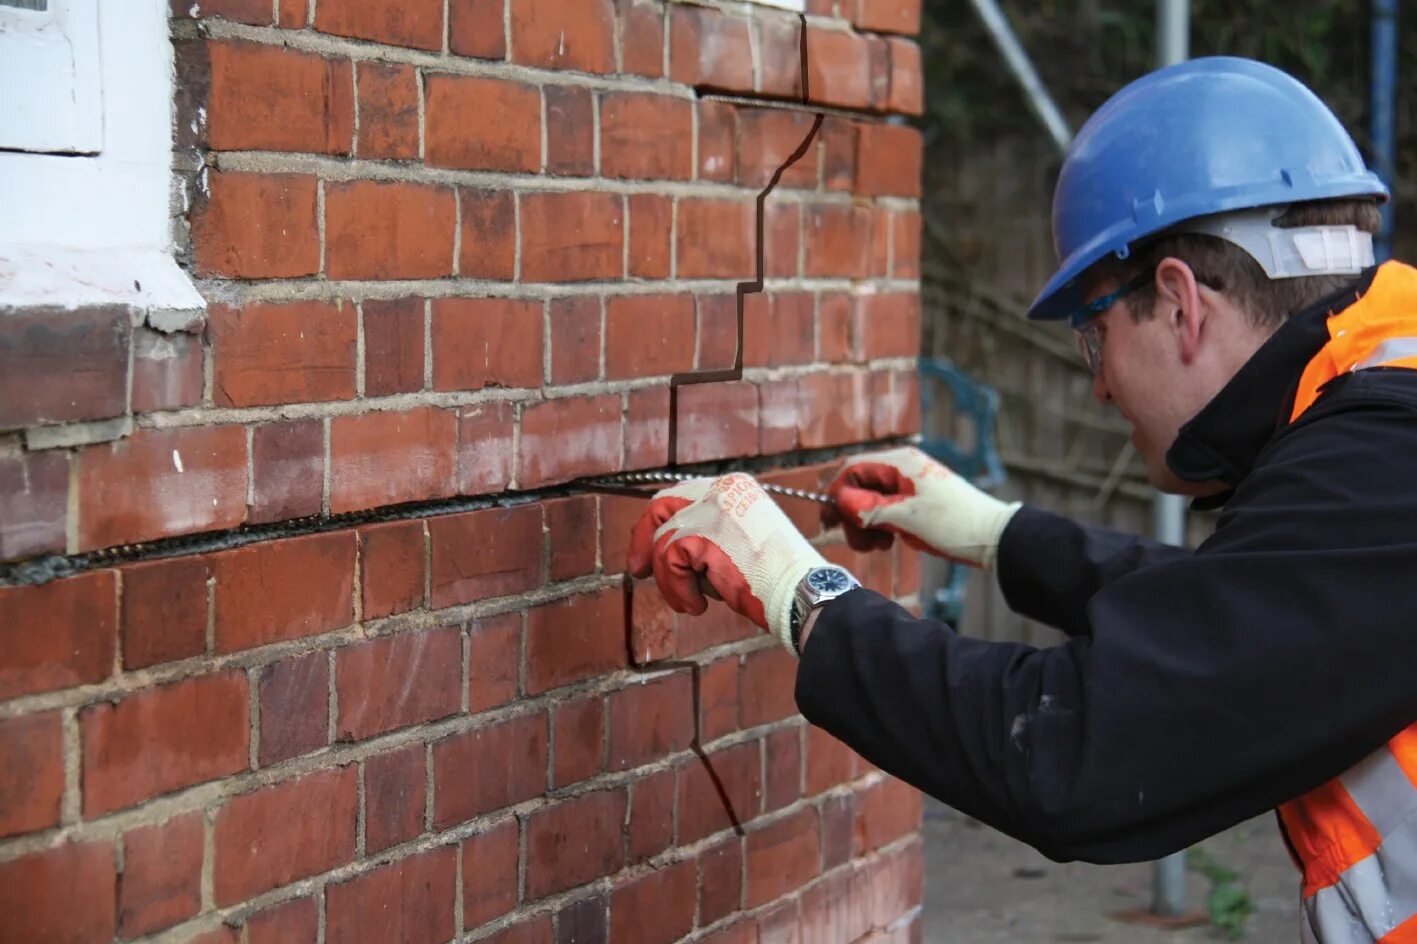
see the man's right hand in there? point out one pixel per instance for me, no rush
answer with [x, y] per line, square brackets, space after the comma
[905, 492]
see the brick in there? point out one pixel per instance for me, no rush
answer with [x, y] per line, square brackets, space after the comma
[570, 130]
[61, 895]
[256, 226]
[279, 590]
[393, 346]
[834, 410]
[884, 16]
[288, 922]
[905, 245]
[777, 416]
[838, 68]
[494, 660]
[651, 231]
[779, 329]
[548, 34]
[568, 438]
[391, 568]
[718, 625]
[886, 811]
[829, 762]
[897, 885]
[651, 826]
[783, 751]
[651, 720]
[270, 98]
[718, 330]
[719, 791]
[388, 111]
[834, 241]
[895, 404]
[617, 516]
[652, 624]
[646, 137]
[878, 77]
[769, 676]
[838, 814]
[292, 14]
[570, 535]
[717, 421]
[167, 371]
[766, 140]
[533, 930]
[414, 23]
[489, 234]
[647, 430]
[489, 768]
[476, 28]
[294, 696]
[162, 875]
[388, 230]
[284, 832]
[575, 638]
[486, 342]
[254, 12]
[579, 752]
[394, 791]
[655, 908]
[575, 339]
[889, 159]
[163, 739]
[288, 470]
[718, 698]
[409, 900]
[583, 922]
[574, 841]
[58, 365]
[742, 931]
[716, 238]
[720, 880]
[836, 322]
[641, 38]
[421, 443]
[495, 552]
[572, 237]
[782, 856]
[838, 907]
[479, 123]
[718, 146]
[780, 57]
[32, 752]
[270, 354]
[34, 503]
[396, 681]
[709, 49]
[838, 154]
[164, 611]
[648, 335]
[485, 447]
[489, 872]
[907, 90]
[782, 234]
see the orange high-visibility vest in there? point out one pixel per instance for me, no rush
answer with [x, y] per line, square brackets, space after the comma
[1355, 837]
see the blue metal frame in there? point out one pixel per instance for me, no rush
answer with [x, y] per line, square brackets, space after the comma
[982, 465]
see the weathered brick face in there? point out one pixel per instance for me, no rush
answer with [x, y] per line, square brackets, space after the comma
[455, 250]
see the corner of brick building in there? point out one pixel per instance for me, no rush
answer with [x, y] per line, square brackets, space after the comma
[449, 251]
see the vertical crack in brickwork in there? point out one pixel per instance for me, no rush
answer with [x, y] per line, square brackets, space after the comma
[756, 285]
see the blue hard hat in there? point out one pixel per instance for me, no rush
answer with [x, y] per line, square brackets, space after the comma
[1201, 137]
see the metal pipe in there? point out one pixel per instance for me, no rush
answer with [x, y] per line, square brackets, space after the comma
[1382, 106]
[1168, 876]
[1038, 98]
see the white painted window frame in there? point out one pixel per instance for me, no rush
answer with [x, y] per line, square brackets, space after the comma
[84, 219]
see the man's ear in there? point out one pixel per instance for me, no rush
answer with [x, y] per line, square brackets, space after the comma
[1179, 300]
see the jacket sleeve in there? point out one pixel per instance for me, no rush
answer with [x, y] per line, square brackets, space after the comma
[1050, 566]
[1213, 687]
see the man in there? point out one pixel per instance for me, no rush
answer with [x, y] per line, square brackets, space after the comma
[1214, 222]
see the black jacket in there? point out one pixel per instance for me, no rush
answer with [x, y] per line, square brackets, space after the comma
[1197, 689]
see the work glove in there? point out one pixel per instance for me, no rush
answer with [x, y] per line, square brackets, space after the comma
[729, 534]
[905, 492]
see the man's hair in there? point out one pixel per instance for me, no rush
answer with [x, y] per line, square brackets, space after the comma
[1225, 267]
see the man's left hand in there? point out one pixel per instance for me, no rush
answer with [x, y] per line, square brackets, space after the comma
[731, 533]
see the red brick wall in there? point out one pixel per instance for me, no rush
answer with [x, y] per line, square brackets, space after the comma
[456, 249]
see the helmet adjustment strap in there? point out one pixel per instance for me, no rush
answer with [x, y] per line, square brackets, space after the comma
[1289, 253]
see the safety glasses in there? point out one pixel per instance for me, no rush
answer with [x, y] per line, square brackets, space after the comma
[1087, 321]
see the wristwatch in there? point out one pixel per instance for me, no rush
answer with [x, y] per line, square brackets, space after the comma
[819, 585]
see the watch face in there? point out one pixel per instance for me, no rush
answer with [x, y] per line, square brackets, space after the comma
[828, 580]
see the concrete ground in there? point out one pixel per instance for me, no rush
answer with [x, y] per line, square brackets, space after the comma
[983, 888]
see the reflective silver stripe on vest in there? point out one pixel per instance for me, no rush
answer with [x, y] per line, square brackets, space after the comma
[1379, 893]
[1390, 350]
